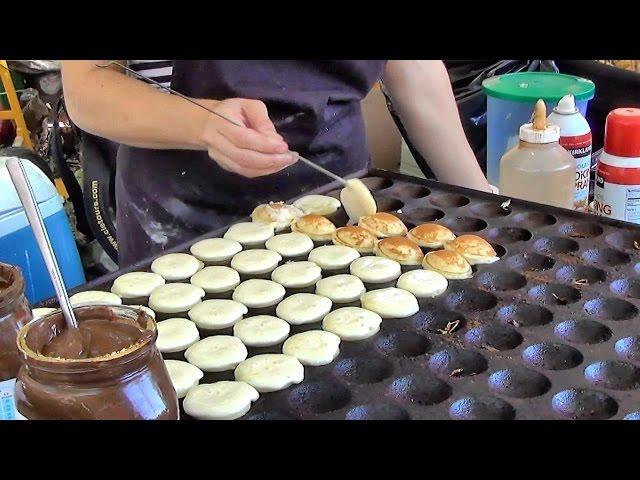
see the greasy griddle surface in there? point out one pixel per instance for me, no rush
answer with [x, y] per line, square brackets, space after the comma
[551, 331]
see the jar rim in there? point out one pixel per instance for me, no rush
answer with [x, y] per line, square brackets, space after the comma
[121, 357]
[16, 287]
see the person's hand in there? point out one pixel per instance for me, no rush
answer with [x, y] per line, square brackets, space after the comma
[253, 150]
[478, 182]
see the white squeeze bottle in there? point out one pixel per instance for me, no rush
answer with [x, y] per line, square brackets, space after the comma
[538, 169]
[575, 137]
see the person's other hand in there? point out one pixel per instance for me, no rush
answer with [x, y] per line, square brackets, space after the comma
[253, 150]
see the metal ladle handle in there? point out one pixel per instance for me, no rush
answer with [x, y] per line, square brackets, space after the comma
[233, 122]
[27, 198]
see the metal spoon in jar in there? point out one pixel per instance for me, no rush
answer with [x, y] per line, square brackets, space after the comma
[27, 198]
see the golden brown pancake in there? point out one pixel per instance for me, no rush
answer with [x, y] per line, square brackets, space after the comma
[317, 227]
[383, 225]
[355, 237]
[449, 264]
[400, 249]
[476, 250]
[430, 235]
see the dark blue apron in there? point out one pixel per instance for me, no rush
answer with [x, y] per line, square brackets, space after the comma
[165, 197]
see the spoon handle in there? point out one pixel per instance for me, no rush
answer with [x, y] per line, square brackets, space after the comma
[28, 200]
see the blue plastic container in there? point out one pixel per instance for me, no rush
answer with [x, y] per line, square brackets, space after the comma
[510, 102]
[18, 245]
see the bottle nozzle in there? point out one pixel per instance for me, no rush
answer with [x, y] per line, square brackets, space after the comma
[540, 115]
[566, 105]
[539, 130]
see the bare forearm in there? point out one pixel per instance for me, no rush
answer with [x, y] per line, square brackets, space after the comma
[421, 93]
[107, 103]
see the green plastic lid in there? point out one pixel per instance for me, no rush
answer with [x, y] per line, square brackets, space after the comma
[531, 86]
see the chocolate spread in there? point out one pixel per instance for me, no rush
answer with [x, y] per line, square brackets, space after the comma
[93, 338]
[14, 313]
[108, 368]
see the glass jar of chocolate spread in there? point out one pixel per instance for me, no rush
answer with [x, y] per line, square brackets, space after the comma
[109, 368]
[14, 314]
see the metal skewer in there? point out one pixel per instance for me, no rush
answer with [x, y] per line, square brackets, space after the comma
[174, 92]
[31, 209]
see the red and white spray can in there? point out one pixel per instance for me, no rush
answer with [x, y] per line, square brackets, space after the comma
[575, 137]
[617, 190]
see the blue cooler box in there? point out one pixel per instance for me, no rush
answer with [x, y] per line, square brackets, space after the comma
[18, 245]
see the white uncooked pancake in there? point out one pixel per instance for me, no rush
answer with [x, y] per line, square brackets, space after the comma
[176, 335]
[317, 204]
[352, 323]
[216, 354]
[183, 375]
[270, 372]
[423, 283]
[261, 331]
[216, 279]
[297, 274]
[375, 269]
[303, 308]
[250, 233]
[253, 262]
[290, 244]
[175, 297]
[390, 302]
[333, 257]
[341, 288]
[176, 266]
[220, 400]
[136, 284]
[41, 312]
[357, 200]
[95, 297]
[215, 249]
[313, 348]
[257, 293]
[217, 314]
[146, 310]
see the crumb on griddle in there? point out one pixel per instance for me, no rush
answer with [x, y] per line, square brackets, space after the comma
[489, 348]
[449, 329]
[560, 300]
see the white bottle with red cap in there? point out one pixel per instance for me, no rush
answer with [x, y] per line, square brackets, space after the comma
[575, 137]
[617, 190]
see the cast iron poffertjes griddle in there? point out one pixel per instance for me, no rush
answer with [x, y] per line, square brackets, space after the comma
[551, 331]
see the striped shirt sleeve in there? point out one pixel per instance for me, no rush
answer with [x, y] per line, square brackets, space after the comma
[159, 70]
